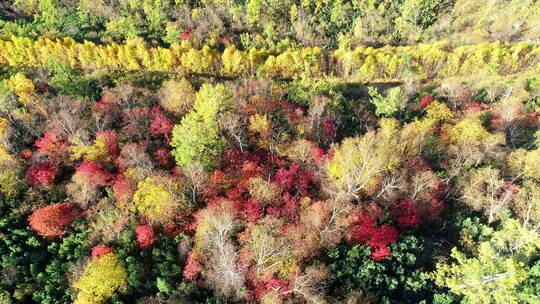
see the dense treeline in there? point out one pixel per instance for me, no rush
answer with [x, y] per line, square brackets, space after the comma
[159, 151]
[275, 23]
[423, 61]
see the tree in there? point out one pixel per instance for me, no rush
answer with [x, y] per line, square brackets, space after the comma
[270, 252]
[497, 270]
[524, 163]
[101, 277]
[23, 88]
[389, 105]
[468, 144]
[358, 163]
[158, 198]
[483, 189]
[366, 231]
[196, 139]
[43, 173]
[50, 221]
[215, 248]
[177, 97]
[160, 126]
[401, 277]
[527, 205]
[145, 236]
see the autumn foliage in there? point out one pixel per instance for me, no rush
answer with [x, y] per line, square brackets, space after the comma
[50, 221]
[145, 236]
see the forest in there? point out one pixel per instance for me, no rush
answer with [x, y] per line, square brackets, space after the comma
[270, 151]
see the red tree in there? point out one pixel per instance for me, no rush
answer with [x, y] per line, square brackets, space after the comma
[50, 145]
[122, 188]
[93, 173]
[252, 211]
[160, 126]
[111, 142]
[42, 173]
[51, 220]
[425, 101]
[406, 214]
[100, 250]
[163, 156]
[192, 268]
[366, 231]
[145, 236]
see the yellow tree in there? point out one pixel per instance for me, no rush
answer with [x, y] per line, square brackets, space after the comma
[100, 279]
[358, 163]
[158, 198]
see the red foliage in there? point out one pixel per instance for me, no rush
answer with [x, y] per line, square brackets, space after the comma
[186, 34]
[318, 155]
[434, 210]
[406, 214]
[436, 207]
[42, 87]
[294, 112]
[295, 178]
[122, 188]
[50, 145]
[100, 250]
[145, 236]
[531, 119]
[163, 156]
[425, 101]
[26, 153]
[160, 126]
[277, 285]
[182, 222]
[41, 174]
[51, 220]
[366, 231]
[329, 128]
[192, 268]
[420, 164]
[380, 253]
[290, 207]
[93, 174]
[105, 106]
[252, 211]
[476, 107]
[286, 178]
[111, 142]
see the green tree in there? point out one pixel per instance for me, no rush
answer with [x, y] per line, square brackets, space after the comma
[197, 139]
[387, 105]
[498, 270]
[400, 277]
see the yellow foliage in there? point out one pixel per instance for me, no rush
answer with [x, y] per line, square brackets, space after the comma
[9, 179]
[177, 97]
[363, 64]
[439, 112]
[158, 198]
[97, 151]
[468, 131]
[233, 61]
[3, 129]
[358, 163]
[23, 88]
[259, 124]
[101, 278]
[525, 163]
